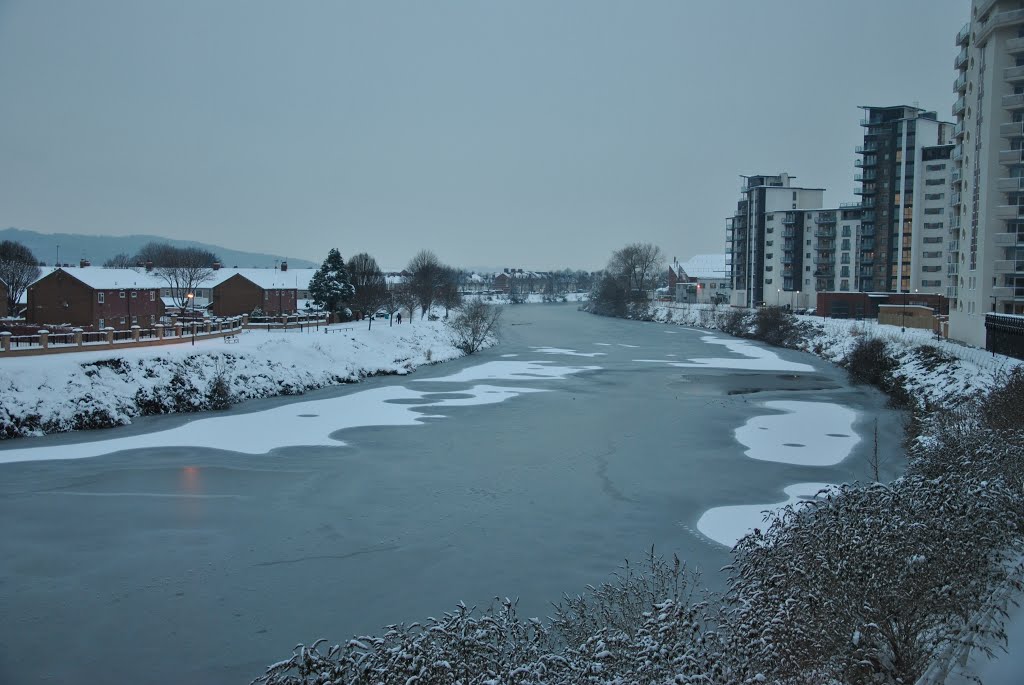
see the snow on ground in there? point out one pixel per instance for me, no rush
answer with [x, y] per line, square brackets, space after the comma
[974, 370]
[301, 424]
[534, 298]
[757, 358]
[726, 525]
[806, 434]
[54, 393]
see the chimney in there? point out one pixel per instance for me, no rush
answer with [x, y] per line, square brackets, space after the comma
[284, 266]
[216, 266]
[82, 263]
[149, 266]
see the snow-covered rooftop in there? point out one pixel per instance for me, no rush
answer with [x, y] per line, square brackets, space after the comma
[704, 266]
[109, 279]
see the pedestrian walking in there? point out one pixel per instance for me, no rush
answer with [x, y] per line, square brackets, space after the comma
[398, 318]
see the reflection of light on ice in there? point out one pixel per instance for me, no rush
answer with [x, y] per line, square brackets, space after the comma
[568, 353]
[757, 358]
[808, 434]
[297, 424]
[728, 524]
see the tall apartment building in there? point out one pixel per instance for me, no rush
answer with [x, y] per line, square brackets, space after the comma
[893, 201]
[766, 241]
[988, 190]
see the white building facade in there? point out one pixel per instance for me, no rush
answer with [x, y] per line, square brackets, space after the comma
[988, 190]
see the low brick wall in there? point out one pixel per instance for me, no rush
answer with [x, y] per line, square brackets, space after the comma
[177, 335]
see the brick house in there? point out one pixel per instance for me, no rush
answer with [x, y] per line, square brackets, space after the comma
[265, 289]
[94, 299]
[3, 298]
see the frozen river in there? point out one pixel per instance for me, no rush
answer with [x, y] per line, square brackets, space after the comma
[529, 470]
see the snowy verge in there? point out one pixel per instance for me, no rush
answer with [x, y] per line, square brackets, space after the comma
[55, 393]
[935, 372]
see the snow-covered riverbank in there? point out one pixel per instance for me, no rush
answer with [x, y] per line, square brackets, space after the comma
[55, 393]
[940, 376]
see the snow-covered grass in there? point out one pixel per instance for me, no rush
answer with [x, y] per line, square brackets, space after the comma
[56, 393]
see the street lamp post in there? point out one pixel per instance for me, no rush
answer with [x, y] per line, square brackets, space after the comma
[192, 299]
[778, 296]
[903, 317]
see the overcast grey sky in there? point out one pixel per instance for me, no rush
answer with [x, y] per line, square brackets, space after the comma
[537, 134]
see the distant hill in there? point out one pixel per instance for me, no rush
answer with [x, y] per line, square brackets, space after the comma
[99, 248]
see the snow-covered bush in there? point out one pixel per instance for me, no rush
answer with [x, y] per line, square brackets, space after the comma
[474, 326]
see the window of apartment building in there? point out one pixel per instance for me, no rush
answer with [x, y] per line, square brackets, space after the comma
[846, 232]
[808, 255]
[135, 294]
[100, 298]
[930, 284]
[769, 243]
[808, 242]
[794, 196]
[932, 255]
[935, 210]
[936, 240]
[934, 196]
[935, 167]
[935, 182]
[769, 230]
[769, 255]
[844, 258]
[846, 244]
[931, 269]
[152, 319]
[135, 320]
[844, 285]
[844, 271]
[121, 295]
[768, 281]
[769, 217]
[807, 268]
[102, 323]
[768, 268]
[123, 321]
[152, 296]
[807, 281]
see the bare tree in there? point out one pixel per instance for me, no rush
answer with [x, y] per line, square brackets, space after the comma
[183, 269]
[449, 296]
[637, 265]
[371, 287]
[426, 277]
[404, 297]
[474, 325]
[120, 261]
[18, 269]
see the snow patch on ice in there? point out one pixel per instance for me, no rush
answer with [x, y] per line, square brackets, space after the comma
[510, 371]
[825, 431]
[756, 358]
[302, 424]
[726, 525]
[569, 353]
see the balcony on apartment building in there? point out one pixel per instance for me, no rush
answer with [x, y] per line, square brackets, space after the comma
[825, 232]
[961, 104]
[954, 198]
[958, 131]
[1013, 74]
[954, 223]
[983, 29]
[826, 218]
[963, 34]
[1015, 46]
[867, 202]
[789, 219]
[1010, 184]
[958, 153]
[1012, 101]
[1008, 266]
[954, 176]
[1009, 211]
[1013, 129]
[960, 84]
[867, 147]
[1011, 156]
[865, 189]
[960, 61]
[1008, 239]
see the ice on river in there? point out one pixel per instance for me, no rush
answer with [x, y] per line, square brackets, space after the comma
[308, 423]
[569, 353]
[806, 434]
[728, 524]
[311, 423]
[755, 358]
[509, 371]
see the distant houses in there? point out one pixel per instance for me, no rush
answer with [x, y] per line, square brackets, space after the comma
[268, 292]
[702, 279]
